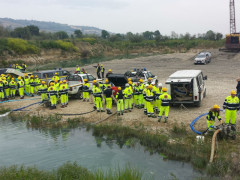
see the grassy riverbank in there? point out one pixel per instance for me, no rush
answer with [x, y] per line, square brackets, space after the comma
[178, 144]
[68, 171]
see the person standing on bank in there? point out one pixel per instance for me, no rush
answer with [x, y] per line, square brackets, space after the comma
[102, 71]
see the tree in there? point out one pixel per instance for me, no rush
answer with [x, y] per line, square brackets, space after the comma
[174, 35]
[105, 34]
[219, 36]
[135, 38]
[22, 33]
[187, 36]
[116, 37]
[78, 33]
[34, 30]
[148, 35]
[210, 35]
[61, 35]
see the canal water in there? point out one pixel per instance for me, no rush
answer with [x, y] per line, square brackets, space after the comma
[48, 149]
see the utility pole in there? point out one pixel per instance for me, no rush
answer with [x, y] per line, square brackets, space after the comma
[232, 17]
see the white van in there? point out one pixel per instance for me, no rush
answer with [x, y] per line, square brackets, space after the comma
[187, 87]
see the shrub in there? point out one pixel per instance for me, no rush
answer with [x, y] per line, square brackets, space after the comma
[21, 46]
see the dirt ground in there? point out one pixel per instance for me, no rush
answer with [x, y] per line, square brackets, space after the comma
[222, 73]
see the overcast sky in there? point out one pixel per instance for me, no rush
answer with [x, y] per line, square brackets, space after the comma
[121, 16]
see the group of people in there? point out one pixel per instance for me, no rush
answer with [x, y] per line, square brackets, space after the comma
[57, 90]
[230, 106]
[22, 66]
[153, 98]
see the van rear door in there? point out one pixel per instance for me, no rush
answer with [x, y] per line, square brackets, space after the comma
[181, 90]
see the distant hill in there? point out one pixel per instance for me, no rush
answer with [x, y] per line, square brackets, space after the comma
[48, 26]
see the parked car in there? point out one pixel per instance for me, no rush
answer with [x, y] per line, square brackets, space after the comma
[203, 58]
[48, 74]
[122, 79]
[187, 87]
[75, 83]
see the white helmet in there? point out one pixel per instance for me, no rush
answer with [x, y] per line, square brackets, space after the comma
[153, 83]
[127, 85]
[160, 85]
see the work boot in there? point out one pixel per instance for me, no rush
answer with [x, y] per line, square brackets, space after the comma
[83, 99]
[159, 118]
[118, 114]
[62, 106]
[87, 100]
[165, 119]
[51, 108]
[122, 113]
[98, 110]
[125, 111]
[102, 110]
[153, 116]
[130, 110]
[110, 112]
[32, 95]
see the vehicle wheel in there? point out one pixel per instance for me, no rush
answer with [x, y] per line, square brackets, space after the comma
[205, 93]
[198, 104]
[79, 94]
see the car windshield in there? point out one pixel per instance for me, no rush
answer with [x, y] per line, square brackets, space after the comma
[74, 78]
[201, 56]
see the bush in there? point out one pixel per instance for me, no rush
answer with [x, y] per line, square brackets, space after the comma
[21, 46]
[67, 46]
[89, 40]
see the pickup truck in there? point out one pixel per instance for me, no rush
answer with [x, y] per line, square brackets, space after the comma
[122, 79]
[75, 83]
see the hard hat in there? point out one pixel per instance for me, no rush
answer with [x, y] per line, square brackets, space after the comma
[43, 82]
[36, 76]
[94, 81]
[16, 64]
[164, 89]
[153, 83]
[2, 75]
[109, 85]
[216, 106]
[140, 80]
[106, 81]
[130, 82]
[25, 74]
[109, 70]
[64, 81]
[150, 86]
[51, 84]
[77, 65]
[56, 80]
[0, 80]
[129, 79]
[233, 92]
[4, 78]
[31, 76]
[60, 82]
[160, 85]
[85, 80]
[56, 73]
[101, 64]
[12, 78]
[127, 85]
[19, 78]
[119, 88]
[149, 79]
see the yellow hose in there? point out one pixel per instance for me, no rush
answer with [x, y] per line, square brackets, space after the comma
[213, 145]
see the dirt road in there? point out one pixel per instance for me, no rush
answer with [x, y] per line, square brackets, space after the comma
[222, 73]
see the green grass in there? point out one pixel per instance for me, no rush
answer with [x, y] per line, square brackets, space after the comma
[4, 110]
[68, 171]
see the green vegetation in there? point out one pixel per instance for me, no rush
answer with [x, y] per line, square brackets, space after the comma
[68, 171]
[4, 110]
[183, 147]
[179, 144]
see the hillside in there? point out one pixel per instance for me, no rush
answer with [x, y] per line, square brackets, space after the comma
[48, 26]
